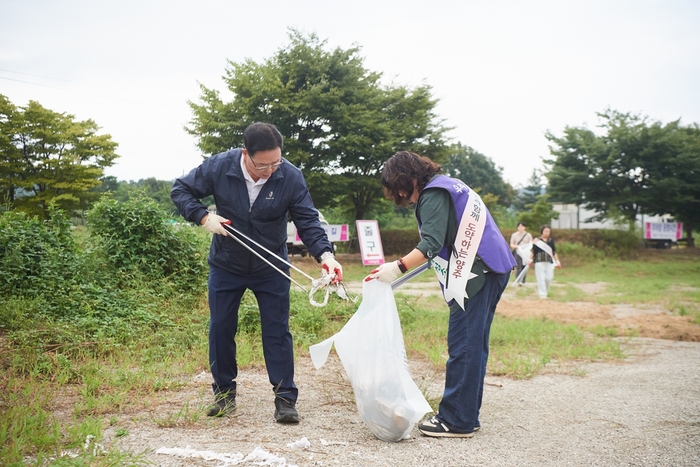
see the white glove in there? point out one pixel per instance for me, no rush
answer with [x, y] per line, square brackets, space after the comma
[330, 265]
[213, 224]
[387, 272]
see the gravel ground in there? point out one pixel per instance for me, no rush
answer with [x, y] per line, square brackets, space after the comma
[643, 411]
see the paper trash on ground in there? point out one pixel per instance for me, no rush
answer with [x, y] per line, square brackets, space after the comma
[303, 443]
[257, 457]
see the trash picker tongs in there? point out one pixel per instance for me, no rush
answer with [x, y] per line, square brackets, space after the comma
[236, 232]
[325, 281]
[410, 275]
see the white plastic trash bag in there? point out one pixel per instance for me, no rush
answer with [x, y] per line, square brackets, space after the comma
[370, 346]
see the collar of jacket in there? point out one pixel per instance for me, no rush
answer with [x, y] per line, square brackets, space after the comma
[234, 169]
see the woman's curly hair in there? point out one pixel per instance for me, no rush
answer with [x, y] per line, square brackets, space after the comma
[400, 171]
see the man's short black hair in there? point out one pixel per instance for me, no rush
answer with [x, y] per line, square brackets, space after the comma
[261, 137]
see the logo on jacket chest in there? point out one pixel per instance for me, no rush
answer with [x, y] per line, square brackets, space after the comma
[270, 195]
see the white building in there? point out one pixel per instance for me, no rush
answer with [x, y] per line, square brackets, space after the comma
[572, 216]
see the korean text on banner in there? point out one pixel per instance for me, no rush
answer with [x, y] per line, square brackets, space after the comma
[663, 230]
[335, 233]
[370, 242]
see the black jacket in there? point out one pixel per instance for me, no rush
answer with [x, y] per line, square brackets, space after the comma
[285, 193]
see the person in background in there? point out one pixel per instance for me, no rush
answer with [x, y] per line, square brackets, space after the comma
[544, 256]
[473, 264]
[518, 238]
[254, 189]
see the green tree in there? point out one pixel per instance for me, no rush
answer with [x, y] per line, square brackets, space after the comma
[539, 213]
[635, 167]
[527, 195]
[11, 164]
[108, 183]
[340, 124]
[50, 157]
[611, 172]
[479, 172]
[674, 161]
[157, 190]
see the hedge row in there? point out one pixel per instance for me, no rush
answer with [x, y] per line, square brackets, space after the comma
[616, 243]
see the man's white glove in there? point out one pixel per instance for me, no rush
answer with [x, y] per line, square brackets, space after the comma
[330, 265]
[387, 272]
[213, 224]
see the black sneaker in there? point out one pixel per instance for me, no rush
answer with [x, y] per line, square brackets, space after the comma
[224, 403]
[285, 411]
[435, 428]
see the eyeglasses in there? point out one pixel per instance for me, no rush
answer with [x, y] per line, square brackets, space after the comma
[263, 168]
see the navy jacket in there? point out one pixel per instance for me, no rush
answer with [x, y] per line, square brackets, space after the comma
[285, 193]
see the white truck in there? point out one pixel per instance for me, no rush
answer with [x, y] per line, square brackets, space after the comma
[295, 245]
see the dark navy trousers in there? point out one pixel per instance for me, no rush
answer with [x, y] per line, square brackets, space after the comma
[272, 294]
[468, 350]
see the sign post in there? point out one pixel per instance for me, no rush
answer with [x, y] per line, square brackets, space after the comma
[370, 242]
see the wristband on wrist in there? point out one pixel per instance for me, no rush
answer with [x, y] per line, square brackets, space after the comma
[402, 266]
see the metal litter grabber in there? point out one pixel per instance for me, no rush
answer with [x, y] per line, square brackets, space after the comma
[522, 274]
[323, 282]
[410, 275]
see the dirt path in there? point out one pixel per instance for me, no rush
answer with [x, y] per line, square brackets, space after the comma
[639, 320]
[643, 411]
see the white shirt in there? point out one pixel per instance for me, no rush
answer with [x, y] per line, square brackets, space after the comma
[252, 186]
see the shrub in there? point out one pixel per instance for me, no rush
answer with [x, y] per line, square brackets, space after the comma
[399, 242]
[46, 275]
[591, 242]
[35, 255]
[137, 237]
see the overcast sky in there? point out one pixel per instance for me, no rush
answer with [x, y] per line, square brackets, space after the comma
[505, 72]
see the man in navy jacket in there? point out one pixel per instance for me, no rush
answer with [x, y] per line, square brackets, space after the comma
[255, 189]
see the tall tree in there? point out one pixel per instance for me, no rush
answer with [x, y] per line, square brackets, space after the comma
[527, 195]
[634, 167]
[158, 190]
[50, 157]
[539, 213]
[604, 173]
[340, 124]
[674, 160]
[479, 172]
[11, 164]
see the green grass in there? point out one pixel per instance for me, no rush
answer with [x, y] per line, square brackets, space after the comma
[97, 366]
[521, 348]
[665, 278]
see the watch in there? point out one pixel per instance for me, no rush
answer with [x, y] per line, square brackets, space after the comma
[402, 266]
